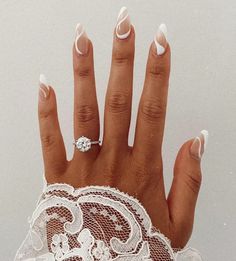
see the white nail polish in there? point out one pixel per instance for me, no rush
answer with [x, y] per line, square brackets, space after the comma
[196, 148]
[81, 40]
[123, 26]
[160, 39]
[205, 135]
[44, 88]
[43, 80]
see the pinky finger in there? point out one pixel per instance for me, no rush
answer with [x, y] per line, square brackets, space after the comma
[53, 148]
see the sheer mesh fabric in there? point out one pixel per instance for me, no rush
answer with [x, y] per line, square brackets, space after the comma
[95, 223]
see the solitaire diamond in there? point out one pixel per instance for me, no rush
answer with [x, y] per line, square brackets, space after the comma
[83, 144]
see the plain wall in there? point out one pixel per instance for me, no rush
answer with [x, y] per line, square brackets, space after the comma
[37, 37]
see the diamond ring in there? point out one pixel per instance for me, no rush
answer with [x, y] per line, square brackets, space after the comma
[84, 144]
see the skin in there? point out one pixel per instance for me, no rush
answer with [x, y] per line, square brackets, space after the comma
[136, 170]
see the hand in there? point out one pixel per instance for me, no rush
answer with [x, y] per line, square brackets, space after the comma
[136, 170]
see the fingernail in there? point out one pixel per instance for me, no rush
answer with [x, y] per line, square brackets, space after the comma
[199, 145]
[123, 26]
[160, 39]
[81, 40]
[44, 89]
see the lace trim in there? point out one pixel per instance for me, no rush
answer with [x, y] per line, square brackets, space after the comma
[94, 223]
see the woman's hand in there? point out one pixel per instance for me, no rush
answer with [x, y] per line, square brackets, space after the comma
[136, 170]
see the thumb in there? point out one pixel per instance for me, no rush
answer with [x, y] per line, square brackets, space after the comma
[185, 187]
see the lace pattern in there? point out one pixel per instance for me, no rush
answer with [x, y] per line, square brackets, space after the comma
[94, 223]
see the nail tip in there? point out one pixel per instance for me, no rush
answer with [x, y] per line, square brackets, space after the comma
[205, 136]
[122, 9]
[161, 31]
[80, 31]
[79, 28]
[163, 27]
[41, 75]
[43, 79]
[205, 133]
[195, 148]
[120, 19]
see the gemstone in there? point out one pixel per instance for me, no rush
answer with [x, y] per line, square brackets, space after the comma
[83, 144]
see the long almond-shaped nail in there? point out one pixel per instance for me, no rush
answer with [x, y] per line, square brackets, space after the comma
[199, 145]
[160, 39]
[81, 40]
[44, 89]
[123, 26]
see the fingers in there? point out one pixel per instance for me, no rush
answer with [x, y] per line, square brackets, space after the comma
[53, 148]
[86, 115]
[153, 102]
[119, 91]
[185, 187]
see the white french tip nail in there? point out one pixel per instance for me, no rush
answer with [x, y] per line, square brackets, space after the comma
[205, 135]
[197, 139]
[77, 28]
[122, 10]
[81, 39]
[163, 29]
[123, 26]
[160, 39]
[197, 148]
[43, 80]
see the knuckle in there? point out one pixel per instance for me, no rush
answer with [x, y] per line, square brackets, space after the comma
[120, 57]
[83, 72]
[118, 102]
[153, 110]
[109, 173]
[143, 174]
[48, 142]
[46, 113]
[157, 69]
[109, 178]
[85, 113]
[193, 180]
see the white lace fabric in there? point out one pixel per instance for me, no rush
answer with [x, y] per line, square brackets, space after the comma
[95, 223]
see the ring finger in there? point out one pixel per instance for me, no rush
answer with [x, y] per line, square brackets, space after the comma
[86, 114]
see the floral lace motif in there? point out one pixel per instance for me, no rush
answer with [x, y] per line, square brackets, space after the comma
[95, 223]
[59, 245]
[101, 252]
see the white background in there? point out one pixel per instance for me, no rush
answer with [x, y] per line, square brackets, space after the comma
[37, 37]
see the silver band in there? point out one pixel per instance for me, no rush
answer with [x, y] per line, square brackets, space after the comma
[96, 142]
[84, 144]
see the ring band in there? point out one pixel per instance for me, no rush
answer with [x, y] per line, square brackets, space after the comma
[84, 144]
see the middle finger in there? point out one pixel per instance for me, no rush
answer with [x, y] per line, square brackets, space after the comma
[119, 91]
